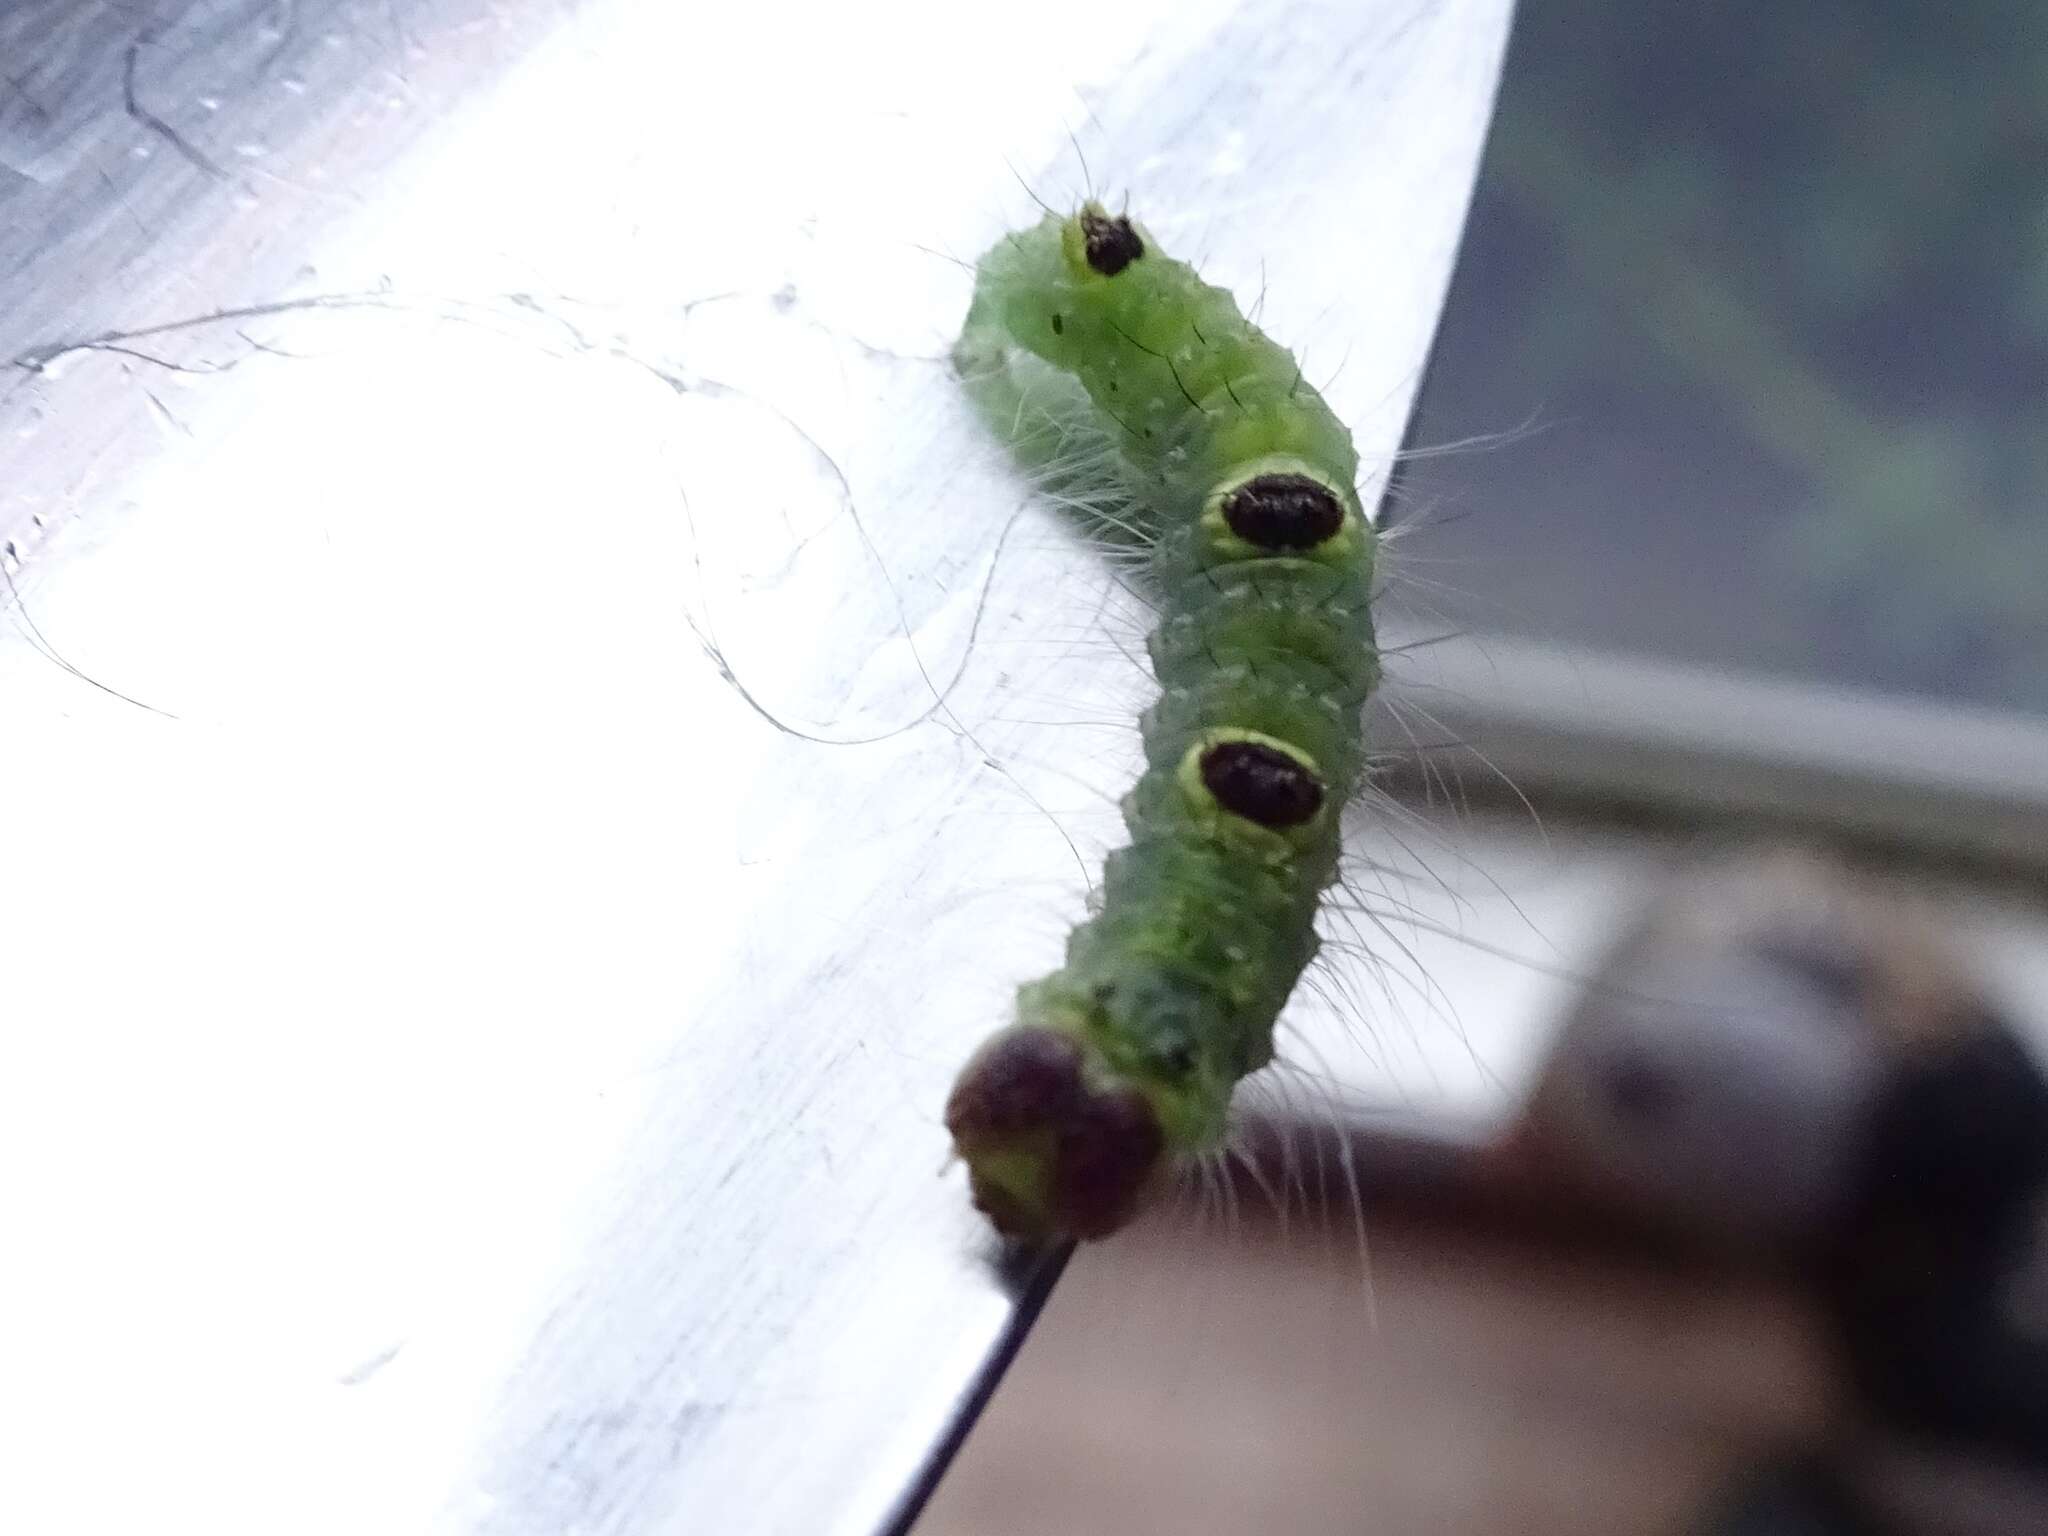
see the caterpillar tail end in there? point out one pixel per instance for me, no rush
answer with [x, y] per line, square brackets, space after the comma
[1055, 1146]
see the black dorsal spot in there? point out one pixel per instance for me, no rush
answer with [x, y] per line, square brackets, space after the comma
[1283, 511]
[1261, 783]
[1110, 244]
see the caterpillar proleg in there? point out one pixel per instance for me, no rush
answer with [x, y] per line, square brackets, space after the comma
[1242, 489]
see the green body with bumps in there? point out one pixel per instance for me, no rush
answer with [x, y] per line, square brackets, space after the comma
[1264, 654]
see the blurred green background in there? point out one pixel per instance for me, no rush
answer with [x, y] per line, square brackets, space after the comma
[1767, 285]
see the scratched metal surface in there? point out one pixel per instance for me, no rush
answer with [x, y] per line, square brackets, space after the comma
[467, 1067]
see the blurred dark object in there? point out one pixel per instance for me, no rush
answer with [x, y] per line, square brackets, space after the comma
[1782, 1061]
[1945, 1227]
[1797, 1496]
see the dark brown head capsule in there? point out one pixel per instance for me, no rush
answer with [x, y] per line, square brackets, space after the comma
[1107, 1153]
[1019, 1081]
[1048, 1153]
[1283, 511]
[1261, 783]
[1111, 244]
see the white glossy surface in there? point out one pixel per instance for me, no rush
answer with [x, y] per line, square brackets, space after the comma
[465, 1069]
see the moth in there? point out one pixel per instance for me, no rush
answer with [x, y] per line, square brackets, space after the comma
[1237, 485]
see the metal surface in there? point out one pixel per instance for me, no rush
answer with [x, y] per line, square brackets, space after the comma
[467, 1068]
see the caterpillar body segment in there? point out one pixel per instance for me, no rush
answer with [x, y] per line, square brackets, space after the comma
[1241, 485]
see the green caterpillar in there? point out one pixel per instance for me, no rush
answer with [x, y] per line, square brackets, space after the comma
[1242, 487]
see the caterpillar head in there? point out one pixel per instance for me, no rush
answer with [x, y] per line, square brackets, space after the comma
[1056, 1145]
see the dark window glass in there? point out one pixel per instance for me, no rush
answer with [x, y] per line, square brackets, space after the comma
[1768, 284]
